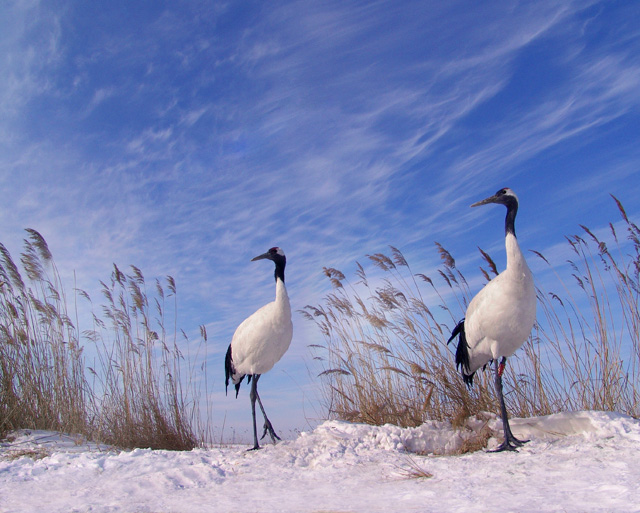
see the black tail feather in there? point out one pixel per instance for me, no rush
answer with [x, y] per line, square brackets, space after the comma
[462, 353]
[229, 371]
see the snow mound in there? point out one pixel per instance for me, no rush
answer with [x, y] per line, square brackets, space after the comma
[39, 444]
[591, 424]
[347, 442]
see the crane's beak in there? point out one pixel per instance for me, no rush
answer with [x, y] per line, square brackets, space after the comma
[490, 199]
[261, 257]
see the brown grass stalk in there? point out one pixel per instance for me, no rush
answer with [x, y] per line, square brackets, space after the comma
[141, 388]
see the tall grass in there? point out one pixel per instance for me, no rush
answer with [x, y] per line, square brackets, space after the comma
[385, 357]
[42, 382]
[133, 393]
[588, 334]
[138, 370]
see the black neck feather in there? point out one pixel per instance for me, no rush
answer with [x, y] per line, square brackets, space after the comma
[280, 262]
[510, 220]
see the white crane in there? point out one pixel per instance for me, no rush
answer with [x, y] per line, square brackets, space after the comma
[500, 317]
[260, 341]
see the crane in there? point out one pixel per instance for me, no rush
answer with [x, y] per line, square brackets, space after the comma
[500, 317]
[259, 342]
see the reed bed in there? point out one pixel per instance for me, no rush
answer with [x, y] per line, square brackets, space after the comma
[139, 388]
[142, 401]
[42, 382]
[385, 357]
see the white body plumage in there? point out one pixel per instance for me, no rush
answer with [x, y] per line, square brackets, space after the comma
[263, 337]
[500, 317]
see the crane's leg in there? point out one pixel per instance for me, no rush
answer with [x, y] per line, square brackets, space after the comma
[268, 428]
[253, 395]
[510, 442]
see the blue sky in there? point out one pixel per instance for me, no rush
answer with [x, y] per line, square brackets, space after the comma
[187, 137]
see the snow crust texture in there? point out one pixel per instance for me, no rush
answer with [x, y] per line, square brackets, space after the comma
[575, 462]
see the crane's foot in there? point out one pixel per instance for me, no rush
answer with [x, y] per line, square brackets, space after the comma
[268, 428]
[510, 443]
[505, 446]
[517, 442]
[509, 437]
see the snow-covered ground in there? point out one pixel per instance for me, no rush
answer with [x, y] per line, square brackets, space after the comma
[575, 462]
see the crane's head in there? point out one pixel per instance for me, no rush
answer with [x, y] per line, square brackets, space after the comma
[274, 254]
[277, 256]
[504, 197]
[509, 199]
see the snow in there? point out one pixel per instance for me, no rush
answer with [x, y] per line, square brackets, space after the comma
[575, 462]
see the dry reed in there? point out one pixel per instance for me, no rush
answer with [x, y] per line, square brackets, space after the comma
[138, 373]
[42, 383]
[134, 394]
